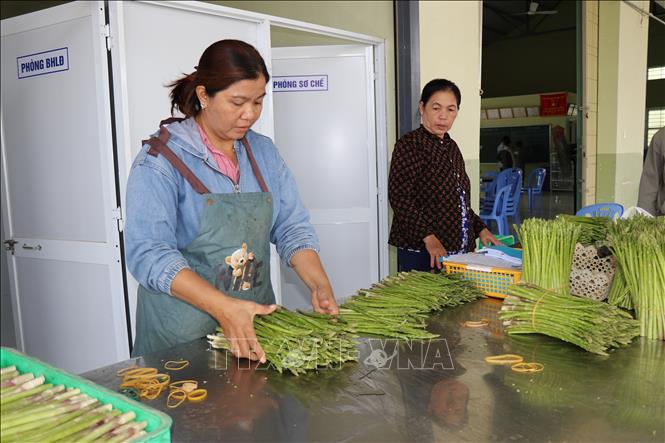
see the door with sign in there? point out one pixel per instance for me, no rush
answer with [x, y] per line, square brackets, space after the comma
[59, 202]
[325, 128]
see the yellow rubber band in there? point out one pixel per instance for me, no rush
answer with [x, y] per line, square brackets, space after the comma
[176, 365]
[122, 372]
[476, 324]
[197, 395]
[504, 359]
[179, 384]
[173, 395]
[139, 373]
[527, 368]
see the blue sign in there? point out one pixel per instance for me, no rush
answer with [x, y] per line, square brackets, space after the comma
[293, 83]
[41, 63]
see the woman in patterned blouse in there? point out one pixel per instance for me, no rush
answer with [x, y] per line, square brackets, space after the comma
[429, 189]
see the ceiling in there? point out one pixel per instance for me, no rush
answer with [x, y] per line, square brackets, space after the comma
[508, 19]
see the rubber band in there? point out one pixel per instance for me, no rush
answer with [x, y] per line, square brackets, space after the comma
[476, 324]
[197, 395]
[180, 384]
[533, 313]
[172, 395]
[527, 368]
[139, 373]
[179, 364]
[122, 372]
[504, 359]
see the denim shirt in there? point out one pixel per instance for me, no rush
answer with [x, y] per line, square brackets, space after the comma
[163, 212]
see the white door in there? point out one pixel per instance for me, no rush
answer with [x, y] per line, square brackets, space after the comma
[326, 131]
[58, 188]
[155, 43]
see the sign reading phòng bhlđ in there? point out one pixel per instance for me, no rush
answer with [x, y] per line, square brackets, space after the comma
[40, 63]
[292, 83]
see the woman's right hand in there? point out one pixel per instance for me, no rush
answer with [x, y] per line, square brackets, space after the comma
[236, 317]
[435, 249]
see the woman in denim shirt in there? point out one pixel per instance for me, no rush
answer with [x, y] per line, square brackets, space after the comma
[206, 196]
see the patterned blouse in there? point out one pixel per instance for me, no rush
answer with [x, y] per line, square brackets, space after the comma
[429, 192]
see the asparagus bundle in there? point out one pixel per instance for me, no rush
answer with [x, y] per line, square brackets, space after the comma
[619, 294]
[398, 306]
[592, 325]
[639, 246]
[36, 411]
[594, 229]
[547, 257]
[298, 342]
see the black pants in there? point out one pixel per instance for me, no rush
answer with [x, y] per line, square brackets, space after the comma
[413, 260]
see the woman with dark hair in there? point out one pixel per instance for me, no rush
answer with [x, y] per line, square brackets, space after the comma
[429, 189]
[206, 196]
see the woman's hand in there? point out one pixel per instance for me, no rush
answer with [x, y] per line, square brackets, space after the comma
[323, 300]
[307, 265]
[487, 237]
[235, 316]
[435, 249]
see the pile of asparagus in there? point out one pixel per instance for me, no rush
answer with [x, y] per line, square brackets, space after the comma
[297, 342]
[638, 244]
[593, 229]
[33, 410]
[592, 325]
[398, 306]
[547, 257]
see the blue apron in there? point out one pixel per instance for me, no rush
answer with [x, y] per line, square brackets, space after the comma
[231, 252]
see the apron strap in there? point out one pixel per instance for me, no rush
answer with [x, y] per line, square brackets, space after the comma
[158, 146]
[255, 167]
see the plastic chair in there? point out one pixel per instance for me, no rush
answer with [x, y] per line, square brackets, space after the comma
[513, 204]
[501, 180]
[611, 210]
[534, 184]
[499, 211]
[488, 183]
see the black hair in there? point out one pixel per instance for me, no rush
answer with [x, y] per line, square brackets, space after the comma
[221, 64]
[440, 84]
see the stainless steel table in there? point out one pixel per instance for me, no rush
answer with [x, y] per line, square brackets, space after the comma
[420, 392]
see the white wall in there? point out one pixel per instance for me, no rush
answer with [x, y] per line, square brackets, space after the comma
[450, 48]
[622, 56]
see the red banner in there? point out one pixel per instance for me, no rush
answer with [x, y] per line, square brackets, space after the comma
[553, 104]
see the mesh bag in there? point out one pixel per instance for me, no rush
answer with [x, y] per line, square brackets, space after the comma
[592, 273]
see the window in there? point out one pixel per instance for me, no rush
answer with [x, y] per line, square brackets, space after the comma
[656, 73]
[655, 121]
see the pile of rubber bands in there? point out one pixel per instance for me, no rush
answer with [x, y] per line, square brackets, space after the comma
[516, 363]
[148, 383]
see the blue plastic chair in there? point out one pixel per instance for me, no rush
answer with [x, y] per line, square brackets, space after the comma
[534, 185]
[513, 204]
[499, 211]
[611, 210]
[488, 185]
[501, 180]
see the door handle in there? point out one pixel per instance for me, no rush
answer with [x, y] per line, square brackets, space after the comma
[33, 248]
[9, 245]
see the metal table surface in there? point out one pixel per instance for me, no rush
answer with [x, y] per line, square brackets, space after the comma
[420, 392]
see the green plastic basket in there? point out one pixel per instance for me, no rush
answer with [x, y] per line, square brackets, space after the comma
[159, 424]
[507, 240]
